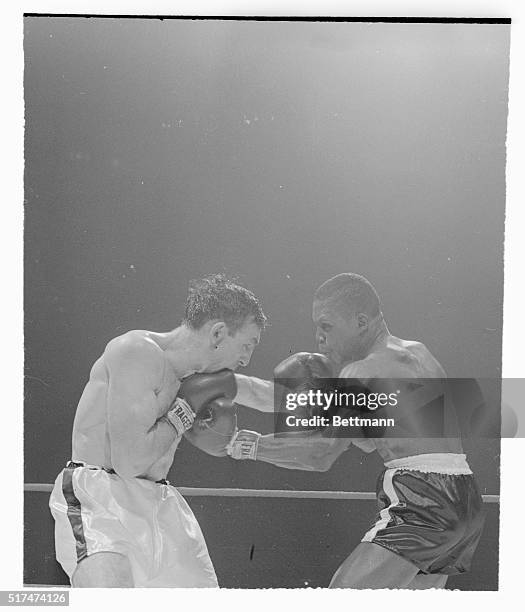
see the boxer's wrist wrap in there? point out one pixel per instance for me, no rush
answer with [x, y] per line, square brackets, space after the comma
[180, 416]
[246, 446]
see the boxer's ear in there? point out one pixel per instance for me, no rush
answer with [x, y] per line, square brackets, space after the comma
[362, 320]
[218, 332]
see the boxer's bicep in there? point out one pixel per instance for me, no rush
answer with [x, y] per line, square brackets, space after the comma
[131, 409]
[132, 406]
[362, 372]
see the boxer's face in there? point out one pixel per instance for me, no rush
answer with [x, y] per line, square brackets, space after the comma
[235, 350]
[338, 337]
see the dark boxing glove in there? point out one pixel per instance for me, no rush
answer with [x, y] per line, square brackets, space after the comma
[213, 434]
[302, 370]
[199, 390]
[301, 373]
[211, 395]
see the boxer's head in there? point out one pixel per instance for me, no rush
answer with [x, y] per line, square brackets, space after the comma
[346, 311]
[228, 316]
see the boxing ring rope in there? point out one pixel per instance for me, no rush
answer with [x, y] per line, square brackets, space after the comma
[226, 492]
[209, 492]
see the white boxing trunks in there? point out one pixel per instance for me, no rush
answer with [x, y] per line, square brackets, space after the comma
[95, 510]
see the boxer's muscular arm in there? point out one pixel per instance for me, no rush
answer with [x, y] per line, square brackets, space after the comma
[303, 451]
[362, 371]
[314, 451]
[255, 393]
[263, 394]
[137, 435]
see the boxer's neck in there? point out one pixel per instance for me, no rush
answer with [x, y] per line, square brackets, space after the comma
[187, 351]
[376, 336]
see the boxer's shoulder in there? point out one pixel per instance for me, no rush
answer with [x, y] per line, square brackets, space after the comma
[363, 369]
[388, 361]
[415, 357]
[134, 348]
[133, 341]
[410, 351]
[401, 354]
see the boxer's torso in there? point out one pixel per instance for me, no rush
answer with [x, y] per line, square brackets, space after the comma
[91, 441]
[403, 359]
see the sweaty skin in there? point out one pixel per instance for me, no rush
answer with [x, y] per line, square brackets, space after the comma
[392, 357]
[399, 359]
[119, 420]
[361, 347]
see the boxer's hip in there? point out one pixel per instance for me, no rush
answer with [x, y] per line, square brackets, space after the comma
[96, 510]
[430, 512]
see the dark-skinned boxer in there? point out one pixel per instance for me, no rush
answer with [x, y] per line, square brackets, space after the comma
[430, 514]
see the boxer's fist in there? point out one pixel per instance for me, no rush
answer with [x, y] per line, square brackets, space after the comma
[199, 390]
[302, 373]
[243, 444]
[302, 369]
[213, 433]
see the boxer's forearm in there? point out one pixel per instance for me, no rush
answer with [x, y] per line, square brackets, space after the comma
[304, 452]
[255, 393]
[139, 444]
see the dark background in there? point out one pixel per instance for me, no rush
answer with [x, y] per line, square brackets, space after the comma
[283, 153]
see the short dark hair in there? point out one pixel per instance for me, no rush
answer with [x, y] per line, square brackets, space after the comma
[351, 291]
[218, 297]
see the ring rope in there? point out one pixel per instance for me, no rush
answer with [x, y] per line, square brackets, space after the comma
[209, 492]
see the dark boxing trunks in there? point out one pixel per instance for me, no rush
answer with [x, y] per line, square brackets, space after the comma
[431, 518]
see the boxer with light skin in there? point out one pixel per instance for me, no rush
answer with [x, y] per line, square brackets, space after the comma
[118, 522]
[413, 544]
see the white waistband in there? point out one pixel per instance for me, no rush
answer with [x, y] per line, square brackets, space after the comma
[442, 463]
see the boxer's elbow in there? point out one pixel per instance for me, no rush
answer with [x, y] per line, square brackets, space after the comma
[126, 468]
[206, 445]
[317, 462]
[323, 464]
[325, 456]
[128, 463]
